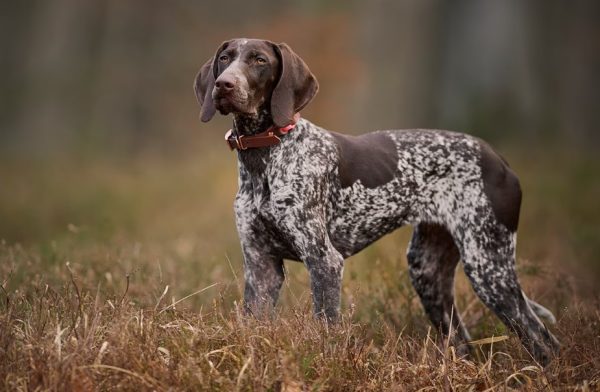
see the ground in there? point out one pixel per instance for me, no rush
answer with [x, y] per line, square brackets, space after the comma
[126, 274]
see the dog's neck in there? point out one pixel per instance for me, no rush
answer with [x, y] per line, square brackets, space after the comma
[251, 124]
[253, 160]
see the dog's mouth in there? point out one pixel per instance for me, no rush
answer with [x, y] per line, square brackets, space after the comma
[232, 103]
[224, 105]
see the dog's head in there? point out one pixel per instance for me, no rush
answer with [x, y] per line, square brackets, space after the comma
[247, 74]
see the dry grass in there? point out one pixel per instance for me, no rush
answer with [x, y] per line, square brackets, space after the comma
[69, 337]
[107, 283]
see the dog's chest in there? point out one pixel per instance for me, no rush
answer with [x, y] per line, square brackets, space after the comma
[257, 219]
[260, 196]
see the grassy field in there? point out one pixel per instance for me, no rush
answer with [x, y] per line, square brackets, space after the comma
[126, 274]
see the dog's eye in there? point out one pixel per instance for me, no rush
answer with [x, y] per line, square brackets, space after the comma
[260, 60]
[224, 59]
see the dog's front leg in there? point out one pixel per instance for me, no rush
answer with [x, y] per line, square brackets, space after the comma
[263, 276]
[306, 230]
[325, 269]
[263, 269]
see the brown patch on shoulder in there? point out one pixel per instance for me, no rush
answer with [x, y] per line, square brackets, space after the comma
[371, 158]
[501, 186]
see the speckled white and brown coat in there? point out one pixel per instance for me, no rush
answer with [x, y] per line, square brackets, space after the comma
[319, 197]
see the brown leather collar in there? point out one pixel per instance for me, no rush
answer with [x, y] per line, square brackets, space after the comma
[270, 137]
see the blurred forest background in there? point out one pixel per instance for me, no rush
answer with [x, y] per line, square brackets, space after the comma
[99, 129]
[115, 76]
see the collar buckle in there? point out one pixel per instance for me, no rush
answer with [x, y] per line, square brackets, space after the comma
[267, 138]
[239, 143]
[234, 142]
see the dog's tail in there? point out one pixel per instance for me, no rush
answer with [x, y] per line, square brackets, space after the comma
[541, 311]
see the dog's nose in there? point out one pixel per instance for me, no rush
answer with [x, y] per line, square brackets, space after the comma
[225, 83]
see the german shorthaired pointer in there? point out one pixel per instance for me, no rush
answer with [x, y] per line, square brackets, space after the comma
[309, 194]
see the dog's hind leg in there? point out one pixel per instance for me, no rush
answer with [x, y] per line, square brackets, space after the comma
[489, 259]
[432, 258]
[541, 311]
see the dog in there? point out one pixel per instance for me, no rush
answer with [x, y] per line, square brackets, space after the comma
[317, 196]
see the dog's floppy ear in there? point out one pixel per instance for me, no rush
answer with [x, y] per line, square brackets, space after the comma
[205, 83]
[295, 88]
